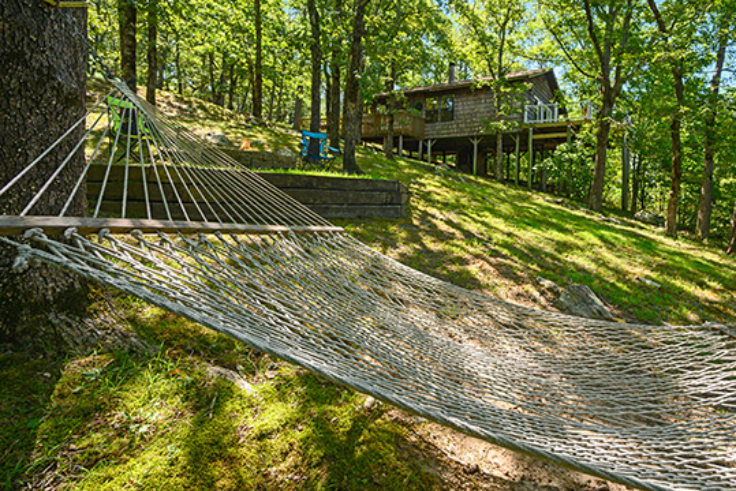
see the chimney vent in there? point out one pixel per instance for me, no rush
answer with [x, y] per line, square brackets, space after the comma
[451, 77]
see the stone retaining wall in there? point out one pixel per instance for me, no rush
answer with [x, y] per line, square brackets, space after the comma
[343, 197]
[330, 197]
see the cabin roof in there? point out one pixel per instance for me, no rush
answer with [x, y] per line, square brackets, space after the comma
[462, 84]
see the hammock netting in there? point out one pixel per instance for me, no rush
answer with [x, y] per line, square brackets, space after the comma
[188, 229]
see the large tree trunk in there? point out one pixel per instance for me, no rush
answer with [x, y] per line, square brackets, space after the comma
[258, 80]
[151, 55]
[128, 15]
[353, 105]
[42, 91]
[706, 187]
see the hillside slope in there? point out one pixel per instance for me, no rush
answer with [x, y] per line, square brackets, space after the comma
[202, 411]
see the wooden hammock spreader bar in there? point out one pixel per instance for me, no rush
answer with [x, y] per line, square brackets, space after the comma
[14, 225]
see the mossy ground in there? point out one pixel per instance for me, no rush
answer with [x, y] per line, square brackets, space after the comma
[206, 412]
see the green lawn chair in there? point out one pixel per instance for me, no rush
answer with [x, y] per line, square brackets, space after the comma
[129, 122]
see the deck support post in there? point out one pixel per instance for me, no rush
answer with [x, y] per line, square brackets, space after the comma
[475, 142]
[420, 152]
[430, 142]
[401, 145]
[531, 156]
[518, 158]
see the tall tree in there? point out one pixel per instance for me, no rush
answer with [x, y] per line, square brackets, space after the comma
[258, 79]
[316, 56]
[498, 28]
[353, 108]
[606, 27]
[723, 37]
[732, 235]
[128, 18]
[336, 60]
[151, 53]
[673, 56]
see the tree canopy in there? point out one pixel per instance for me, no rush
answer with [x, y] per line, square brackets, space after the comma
[659, 73]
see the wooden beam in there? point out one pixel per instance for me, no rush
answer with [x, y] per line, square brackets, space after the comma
[15, 225]
[545, 136]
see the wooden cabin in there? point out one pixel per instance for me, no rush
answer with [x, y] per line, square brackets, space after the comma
[451, 119]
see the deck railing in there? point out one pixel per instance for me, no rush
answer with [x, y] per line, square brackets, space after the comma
[550, 113]
[405, 124]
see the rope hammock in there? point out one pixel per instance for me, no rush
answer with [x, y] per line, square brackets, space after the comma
[186, 228]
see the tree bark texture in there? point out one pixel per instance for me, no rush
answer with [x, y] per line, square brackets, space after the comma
[128, 15]
[258, 81]
[42, 94]
[353, 108]
[43, 88]
[151, 53]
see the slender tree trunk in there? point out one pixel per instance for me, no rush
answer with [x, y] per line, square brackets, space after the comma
[316, 54]
[353, 104]
[279, 107]
[258, 80]
[211, 72]
[499, 156]
[595, 196]
[635, 178]
[732, 236]
[706, 188]
[179, 72]
[333, 117]
[391, 110]
[42, 94]
[272, 100]
[231, 87]
[151, 55]
[128, 15]
[674, 194]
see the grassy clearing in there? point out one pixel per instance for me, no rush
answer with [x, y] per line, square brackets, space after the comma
[206, 412]
[500, 239]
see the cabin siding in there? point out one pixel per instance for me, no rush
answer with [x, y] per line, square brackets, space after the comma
[539, 91]
[472, 109]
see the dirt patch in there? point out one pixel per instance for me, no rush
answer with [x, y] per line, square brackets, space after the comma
[465, 463]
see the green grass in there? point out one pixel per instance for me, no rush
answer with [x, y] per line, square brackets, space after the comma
[164, 421]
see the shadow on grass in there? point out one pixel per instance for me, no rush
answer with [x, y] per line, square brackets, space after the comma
[25, 394]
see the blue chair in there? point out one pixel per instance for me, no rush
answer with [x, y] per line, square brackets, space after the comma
[325, 152]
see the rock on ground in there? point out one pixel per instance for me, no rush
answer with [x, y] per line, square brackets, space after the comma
[581, 301]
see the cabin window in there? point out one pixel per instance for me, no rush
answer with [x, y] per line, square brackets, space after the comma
[432, 114]
[447, 109]
[440, 109]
